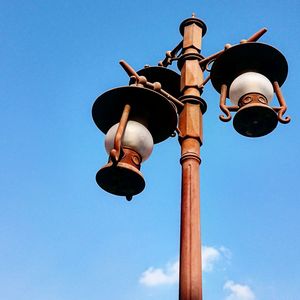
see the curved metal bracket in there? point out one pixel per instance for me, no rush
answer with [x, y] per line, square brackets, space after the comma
[171, 56]
[223, 106]
[115, 153]
[205, 81]
[283, 107]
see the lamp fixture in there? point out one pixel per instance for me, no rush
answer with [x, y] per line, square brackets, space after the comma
[249, 74]
[159, 103]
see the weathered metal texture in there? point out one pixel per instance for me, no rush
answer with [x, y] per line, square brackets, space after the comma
[282, 109]
[207, 60]
[116, 151]
[226, 109]
[160, 76]
[191, 77]
[252, 98]
[190, 137]
[170, 56]
[190, 282]
[192, 38]
[169, 79]
[255, 117]
[190, 123]
[123, 177]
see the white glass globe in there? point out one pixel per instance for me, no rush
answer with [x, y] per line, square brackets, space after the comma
[250, 82]
[136, 137]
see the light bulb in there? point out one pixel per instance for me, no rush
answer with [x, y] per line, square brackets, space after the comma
[250, 82]
[136, 137]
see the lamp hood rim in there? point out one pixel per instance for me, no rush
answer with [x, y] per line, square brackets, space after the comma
[249, 57]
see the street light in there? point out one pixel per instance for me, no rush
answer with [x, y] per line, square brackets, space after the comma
[133, 118]
[158, 103]
[249, 74]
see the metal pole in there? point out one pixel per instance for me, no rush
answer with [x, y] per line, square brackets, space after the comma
[190, 138]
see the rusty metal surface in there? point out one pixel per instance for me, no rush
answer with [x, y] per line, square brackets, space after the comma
[190, 123]
[169, 79]
[190, 137]
[122, 178]
[252, 98]
[160, 76]
[223, 106]
[283, 107]
[255, 118]
[116, 151]
[192, 37]
[191, 21]
[207, 60]
[257, 35]
[191, 77]
[170, 56]
[190, 285]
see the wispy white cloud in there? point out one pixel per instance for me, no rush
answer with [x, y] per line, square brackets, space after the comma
[170, 273]
[238, 291]
[226, 252]
[158, 276]
[210, 256]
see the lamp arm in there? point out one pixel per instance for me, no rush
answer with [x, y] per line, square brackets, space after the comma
[253, 38]
[170, 56]
[283, 107]
[129, 69]
[115, 153]
[156, 86]
[257, 35]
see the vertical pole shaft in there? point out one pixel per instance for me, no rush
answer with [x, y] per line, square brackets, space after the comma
[190, 138]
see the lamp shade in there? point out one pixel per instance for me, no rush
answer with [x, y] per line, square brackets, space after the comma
[250, 82]
[248, 57]
[147, 106]
[136, 137]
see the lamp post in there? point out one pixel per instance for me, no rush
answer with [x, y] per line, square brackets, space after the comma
[159, 102]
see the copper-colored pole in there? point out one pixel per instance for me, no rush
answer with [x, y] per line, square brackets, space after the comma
[190, 137]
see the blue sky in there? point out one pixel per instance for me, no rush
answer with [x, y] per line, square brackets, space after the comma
[61, 236]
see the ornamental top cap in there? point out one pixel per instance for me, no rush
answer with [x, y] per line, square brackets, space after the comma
[193, 20]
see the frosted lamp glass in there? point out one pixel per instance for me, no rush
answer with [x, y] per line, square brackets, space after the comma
[136, 137]
[250, 82]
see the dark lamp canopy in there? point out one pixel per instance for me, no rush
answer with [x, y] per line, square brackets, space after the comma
[169, 79]
[249, 57]
[148, 107]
